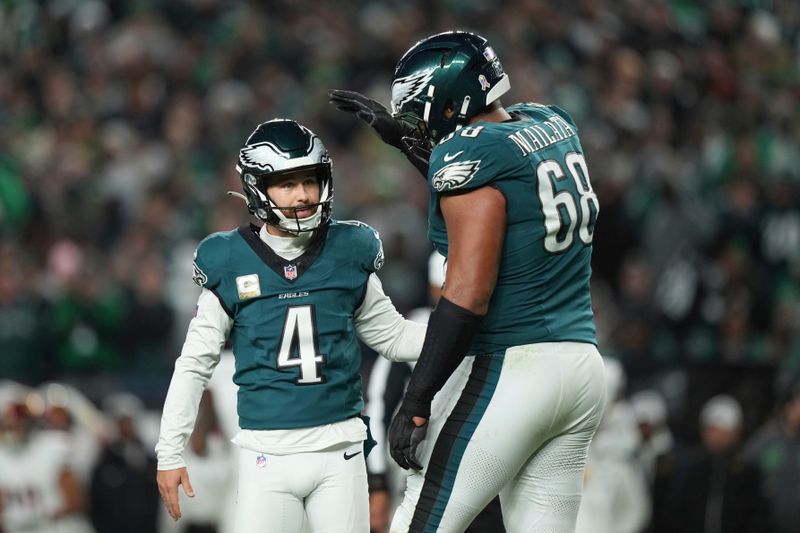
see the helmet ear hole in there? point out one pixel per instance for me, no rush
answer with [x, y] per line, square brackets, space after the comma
[448, 112]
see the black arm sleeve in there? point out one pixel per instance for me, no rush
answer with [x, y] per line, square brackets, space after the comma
[451, 330]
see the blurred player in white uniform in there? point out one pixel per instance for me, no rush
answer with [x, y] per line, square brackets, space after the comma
[615, 492]
[72, 417]
[37, 488]
[209, 456]
[74, 423]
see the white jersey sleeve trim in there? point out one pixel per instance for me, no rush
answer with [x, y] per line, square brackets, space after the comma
[205, 339]
[385, 330]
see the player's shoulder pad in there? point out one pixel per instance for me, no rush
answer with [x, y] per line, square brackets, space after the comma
[210, 258]
[566, 116]
[469, 158]
[542, 112]
[366, 243]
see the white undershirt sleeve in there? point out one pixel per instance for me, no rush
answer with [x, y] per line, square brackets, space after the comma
[205, 339]
[384, 329]
[376, 385]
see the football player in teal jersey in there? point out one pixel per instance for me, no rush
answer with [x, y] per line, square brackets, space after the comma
[292, 296]
[509, 388]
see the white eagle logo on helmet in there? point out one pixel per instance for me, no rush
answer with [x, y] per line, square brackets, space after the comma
[454, 175]
[407, 87]
[257, 156]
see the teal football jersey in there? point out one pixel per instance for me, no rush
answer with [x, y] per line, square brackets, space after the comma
[536, 161]
[293, 336]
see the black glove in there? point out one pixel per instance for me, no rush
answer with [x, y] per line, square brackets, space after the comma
[404, 436]
[391, 130]
[373, 113]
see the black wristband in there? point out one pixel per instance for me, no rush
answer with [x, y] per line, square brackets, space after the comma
[377, 482]
[451, 330]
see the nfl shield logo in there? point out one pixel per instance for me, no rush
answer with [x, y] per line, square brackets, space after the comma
[261, 461]
[290, 271]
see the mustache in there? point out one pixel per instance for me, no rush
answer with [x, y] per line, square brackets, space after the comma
[293, 211]
[298, 207]
[303, 207]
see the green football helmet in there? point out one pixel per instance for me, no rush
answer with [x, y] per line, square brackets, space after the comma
[452, 71]
[278, 148]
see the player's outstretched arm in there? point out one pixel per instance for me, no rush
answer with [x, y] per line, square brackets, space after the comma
[193, 369]
[168, 482]
[390, 129]
[374, 113]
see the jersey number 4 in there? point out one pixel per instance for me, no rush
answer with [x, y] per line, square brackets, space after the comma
[561, 208]
[300, 337]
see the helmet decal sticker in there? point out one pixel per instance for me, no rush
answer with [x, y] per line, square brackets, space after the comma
[406, 88]
[256, 154]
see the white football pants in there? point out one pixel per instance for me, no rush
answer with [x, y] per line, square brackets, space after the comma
[517, 425]
[324, 492]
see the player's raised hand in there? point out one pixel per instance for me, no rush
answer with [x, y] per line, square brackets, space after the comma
[373, 113]
[168, 481]
[390, 129]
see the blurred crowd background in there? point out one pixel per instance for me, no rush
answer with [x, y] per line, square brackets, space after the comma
[120, 122]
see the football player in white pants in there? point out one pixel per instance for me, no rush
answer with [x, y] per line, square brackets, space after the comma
[512, 207]
[39, 490]
[292, 296]
[498, 414]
